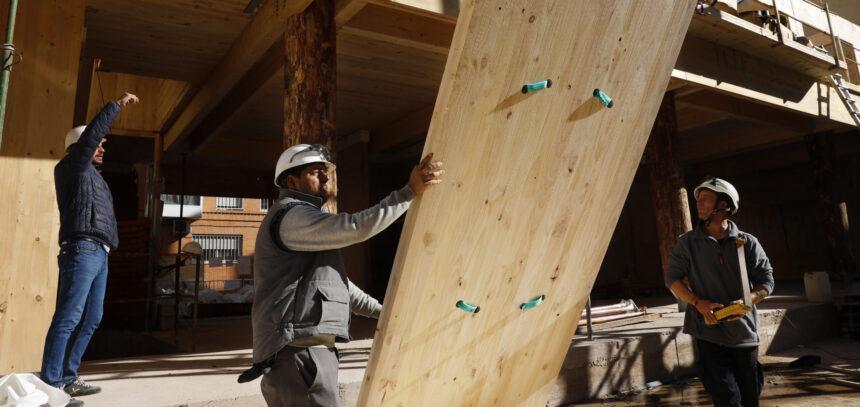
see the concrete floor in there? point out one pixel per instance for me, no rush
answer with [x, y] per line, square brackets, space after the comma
[207, 377]
[783, 386]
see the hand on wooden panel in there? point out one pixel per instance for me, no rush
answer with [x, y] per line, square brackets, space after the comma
[425, 174]
[127, 98]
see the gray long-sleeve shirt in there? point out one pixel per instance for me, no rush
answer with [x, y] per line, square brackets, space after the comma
[713, 271]
[306, 228]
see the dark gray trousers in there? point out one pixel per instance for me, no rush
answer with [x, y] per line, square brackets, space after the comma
[302, 377]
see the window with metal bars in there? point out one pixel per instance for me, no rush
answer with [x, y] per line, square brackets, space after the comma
[228, 203]
[220, 248]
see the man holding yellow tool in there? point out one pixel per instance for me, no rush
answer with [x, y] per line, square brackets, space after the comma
[713, 265]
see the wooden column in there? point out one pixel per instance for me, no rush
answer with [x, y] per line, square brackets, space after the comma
[310, 79]
[668, 194]
[39, 113]
[832, 204]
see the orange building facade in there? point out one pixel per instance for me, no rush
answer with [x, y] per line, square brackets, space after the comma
[225, 227]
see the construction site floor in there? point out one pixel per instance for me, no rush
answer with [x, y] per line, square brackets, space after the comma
[784, 386]
[619, 360]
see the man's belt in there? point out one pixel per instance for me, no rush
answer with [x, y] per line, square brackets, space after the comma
[88, 239]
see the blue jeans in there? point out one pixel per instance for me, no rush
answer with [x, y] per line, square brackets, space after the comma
[80, 301]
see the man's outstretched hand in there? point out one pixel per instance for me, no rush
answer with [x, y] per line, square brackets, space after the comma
[425, 174]
[127, 98]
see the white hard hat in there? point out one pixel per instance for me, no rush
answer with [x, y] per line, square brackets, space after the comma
[74, 134]
[720, 186]
[302, 154]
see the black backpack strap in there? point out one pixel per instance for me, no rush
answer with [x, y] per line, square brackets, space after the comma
[275, 224]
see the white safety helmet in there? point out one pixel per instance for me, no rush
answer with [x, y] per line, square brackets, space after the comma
[73, 135]
[302, 154]
[720, 186]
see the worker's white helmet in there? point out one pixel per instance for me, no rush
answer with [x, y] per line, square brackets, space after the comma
[720, 186]
[74, 134]
[302, 154]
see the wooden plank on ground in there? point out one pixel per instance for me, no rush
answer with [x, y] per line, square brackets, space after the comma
[535, 184]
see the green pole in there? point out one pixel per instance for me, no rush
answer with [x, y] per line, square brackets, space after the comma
[8, 54]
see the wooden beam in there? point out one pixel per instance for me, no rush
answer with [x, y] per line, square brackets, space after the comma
[344, 10]
[722, 141]
[405, 130]
[746, 110]
[257, 78]
[133, 133]
[691, 118]
[402, 28]
[675, 84]
[259, 35]
[735, 73]
[446, 10]
[231, 106]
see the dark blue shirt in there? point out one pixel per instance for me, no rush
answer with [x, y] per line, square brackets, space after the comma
[83, 196]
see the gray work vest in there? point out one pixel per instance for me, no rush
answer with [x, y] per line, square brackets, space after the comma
[296, 294]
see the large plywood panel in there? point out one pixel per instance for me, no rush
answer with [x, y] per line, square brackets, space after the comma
[41, 104]
[535, 184]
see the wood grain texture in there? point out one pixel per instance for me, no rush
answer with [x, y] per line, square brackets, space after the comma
[534, 185]
[310, 82]
[266, 28]
[174, 39]
[40, 110]
[159, 98]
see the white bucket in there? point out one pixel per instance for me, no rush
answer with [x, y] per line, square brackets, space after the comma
[817, 285]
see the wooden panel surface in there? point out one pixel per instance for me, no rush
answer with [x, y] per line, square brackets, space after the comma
[250, 45]
[39, 113]
[159, 98]
[176, 39]
[535, 184]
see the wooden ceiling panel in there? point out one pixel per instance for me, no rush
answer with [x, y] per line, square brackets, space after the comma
[378, 83]
[158, 98]
[176, 39]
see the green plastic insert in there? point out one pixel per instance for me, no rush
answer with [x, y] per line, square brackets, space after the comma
[536, 86]
[470, 308]
[534, 302]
